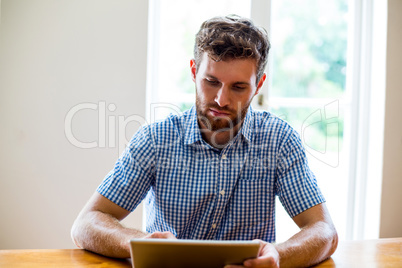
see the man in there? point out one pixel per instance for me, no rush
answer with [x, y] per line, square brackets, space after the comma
[213, 171]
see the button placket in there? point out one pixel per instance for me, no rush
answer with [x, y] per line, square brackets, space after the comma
[220, 205]
[224, 170]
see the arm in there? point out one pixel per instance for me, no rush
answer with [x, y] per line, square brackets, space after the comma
[315, 242]
[98, 228]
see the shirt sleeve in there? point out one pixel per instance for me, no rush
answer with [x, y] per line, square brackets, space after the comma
[296, 184]
[131, 178]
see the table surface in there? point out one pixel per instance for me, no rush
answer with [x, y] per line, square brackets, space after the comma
[369, 253]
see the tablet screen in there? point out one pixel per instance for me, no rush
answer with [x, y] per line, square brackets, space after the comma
[149, 253]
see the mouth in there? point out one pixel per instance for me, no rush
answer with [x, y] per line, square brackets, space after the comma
[218, 113]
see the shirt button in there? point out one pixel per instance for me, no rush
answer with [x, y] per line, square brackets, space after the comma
[213, 226]
[222, 193]
[224, 156]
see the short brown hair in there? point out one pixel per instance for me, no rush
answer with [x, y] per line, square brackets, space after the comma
[232, 37]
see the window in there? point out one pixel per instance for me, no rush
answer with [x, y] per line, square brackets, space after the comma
[312, 78]
[308, 89]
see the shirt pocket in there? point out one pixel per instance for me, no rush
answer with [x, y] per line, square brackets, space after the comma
[252, 202]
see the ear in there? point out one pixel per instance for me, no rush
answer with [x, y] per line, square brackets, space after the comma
[260, 83]
[193, 69]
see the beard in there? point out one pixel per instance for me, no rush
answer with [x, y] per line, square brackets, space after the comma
[221, 123]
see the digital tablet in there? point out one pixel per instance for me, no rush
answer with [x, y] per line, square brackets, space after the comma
[159, 253]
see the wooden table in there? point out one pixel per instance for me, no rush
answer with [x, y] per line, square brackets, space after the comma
[370, 253]
[58, 258]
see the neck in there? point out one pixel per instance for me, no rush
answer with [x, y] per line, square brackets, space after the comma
[219, 138]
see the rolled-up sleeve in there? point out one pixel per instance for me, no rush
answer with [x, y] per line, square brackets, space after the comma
[296, 184]
[129, 181]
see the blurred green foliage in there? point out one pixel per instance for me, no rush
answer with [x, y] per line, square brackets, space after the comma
[309, 40]
[309, 46]
[318, 132]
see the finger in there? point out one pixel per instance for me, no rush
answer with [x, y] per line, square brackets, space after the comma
[166, 235]
[154, 235]
[266, 261]
[169, 235]
[161, 235]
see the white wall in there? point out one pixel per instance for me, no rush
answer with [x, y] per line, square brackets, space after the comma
[391, 203]
[53, 56]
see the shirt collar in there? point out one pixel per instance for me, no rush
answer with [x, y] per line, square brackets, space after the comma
[193, 133]
[247, 127]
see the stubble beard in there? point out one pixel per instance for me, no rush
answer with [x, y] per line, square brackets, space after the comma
[219, 124]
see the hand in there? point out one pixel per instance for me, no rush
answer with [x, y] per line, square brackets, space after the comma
[161, 235]
[268, 256]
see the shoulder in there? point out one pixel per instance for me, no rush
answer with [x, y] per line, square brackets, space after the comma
[275, 136]
[172, 127]
[160, 134]
[271, 126]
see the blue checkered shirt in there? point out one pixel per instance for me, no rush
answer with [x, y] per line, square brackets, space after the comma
[198, 192]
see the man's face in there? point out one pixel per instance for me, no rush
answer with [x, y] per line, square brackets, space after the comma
[224, 91]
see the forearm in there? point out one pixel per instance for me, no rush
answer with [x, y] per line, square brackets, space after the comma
[101, 233]
[310, 246]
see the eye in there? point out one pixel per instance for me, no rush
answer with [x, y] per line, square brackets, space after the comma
[239, 87]
[212, 82]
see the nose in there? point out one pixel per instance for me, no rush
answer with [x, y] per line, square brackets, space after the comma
[222, 97]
